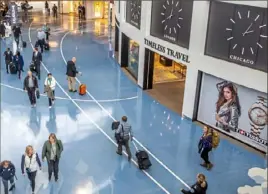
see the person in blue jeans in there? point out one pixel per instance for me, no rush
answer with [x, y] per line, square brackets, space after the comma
[7, 173]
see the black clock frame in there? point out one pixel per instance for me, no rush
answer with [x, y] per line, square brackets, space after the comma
[129, 14]
[217, 46]
[157, 29]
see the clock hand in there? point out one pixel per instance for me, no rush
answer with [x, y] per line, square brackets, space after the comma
[247, 29]
[249, 32]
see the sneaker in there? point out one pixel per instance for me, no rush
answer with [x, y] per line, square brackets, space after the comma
[34, 105]
[70, 90]
[209, 166]
[12, 187]
[74, 90]
[49, 107]
[204, 165]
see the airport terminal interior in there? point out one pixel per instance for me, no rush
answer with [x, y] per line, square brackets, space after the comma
[167, 88]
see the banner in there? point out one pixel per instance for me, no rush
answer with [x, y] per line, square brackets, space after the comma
[233, 109]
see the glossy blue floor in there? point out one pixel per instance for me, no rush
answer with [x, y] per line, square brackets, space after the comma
[89, 163]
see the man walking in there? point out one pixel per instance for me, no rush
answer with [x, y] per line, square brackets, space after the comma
[8, 58]
[71, 74]
[30, 85]
[55, 11]
[41, 35]
[17, 34]
[125, 132]
[37, 59]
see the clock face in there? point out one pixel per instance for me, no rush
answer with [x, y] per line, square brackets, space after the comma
[171, 19]
[246, 35]
[134, 12]
[258, 116]
[238, 33]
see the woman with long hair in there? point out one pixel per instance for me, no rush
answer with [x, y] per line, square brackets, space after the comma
[200, 187]
[30, 163]
[52, 150]
[205, 146]
[228, 108]
[7, 173]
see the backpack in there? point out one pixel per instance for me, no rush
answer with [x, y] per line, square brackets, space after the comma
[215, 139]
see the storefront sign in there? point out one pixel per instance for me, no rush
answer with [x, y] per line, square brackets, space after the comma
[168, 51]
[233, 109]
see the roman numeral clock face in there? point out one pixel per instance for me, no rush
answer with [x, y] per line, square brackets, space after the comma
[245, 36]
[171, 19]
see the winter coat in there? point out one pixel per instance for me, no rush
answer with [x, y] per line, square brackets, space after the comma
[7, 173]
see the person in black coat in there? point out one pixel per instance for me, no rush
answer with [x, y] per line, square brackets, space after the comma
[71, 74]
[37, 59]
[2, 30]
[19, 62]
[7, 173]
[17, 33]
[8, 57]
[30, 85]
[200, 187]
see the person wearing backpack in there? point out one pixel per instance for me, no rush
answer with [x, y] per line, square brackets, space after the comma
[205, 146]
[123, 135]
[30, 163]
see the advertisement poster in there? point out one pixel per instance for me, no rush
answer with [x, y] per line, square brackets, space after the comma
[235, 110]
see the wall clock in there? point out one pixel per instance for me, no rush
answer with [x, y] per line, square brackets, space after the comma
[171, 19]
[135, 12]
[247, 38]
[238, 33]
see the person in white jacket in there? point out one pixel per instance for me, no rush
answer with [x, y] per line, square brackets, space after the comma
[50, 85]
[30, 162]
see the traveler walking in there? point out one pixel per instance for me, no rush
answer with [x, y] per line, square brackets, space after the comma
[80, 12]
[30, 163]
[52, 150]
[7, 173]
[37, 59]
[8, 58]
[46, 29]
[2, 30]
[41, 39]
[55, 11]
[200, 187]
[71, 73]
[205, 146]
[50, 84]
[30, 85]
[46, 7]
[124, 134]
[17, 34]
[84, 12]
[19, 62]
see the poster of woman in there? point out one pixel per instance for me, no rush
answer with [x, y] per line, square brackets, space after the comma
[228, 108]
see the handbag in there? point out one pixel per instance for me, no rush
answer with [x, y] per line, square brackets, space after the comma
[37, 93]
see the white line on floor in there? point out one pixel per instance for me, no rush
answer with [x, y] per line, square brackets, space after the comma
[93, 122]
[75, 99]
[109, 114]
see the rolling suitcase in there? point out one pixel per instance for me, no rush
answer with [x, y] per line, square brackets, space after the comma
[12, 68]
[47, 46]
[82, 89]
[142, 158]
[24, 44]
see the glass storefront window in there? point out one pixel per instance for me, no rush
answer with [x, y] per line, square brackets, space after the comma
[133, 58]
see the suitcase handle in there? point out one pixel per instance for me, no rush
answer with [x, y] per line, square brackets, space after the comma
[135, 146]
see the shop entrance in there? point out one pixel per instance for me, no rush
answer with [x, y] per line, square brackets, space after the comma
[165, 79]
